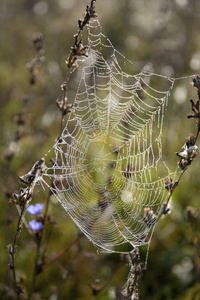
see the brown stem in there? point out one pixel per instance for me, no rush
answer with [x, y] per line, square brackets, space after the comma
[64, 97]
[44, 228]
[76, 51]
[47, 207]
[171, 193]
[39, 242]
[7, 212]
[198, 121]
[65, 91]
[17, 287]
[35, 270]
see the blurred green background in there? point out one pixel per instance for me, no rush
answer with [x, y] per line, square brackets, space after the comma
[162, 34]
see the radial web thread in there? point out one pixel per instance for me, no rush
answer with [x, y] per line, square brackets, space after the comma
[109, 172]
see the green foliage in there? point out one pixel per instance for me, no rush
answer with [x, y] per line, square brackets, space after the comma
[166, 35]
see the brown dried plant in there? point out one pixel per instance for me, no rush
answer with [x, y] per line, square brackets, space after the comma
[22, 198]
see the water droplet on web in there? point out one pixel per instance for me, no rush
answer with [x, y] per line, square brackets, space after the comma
[103, 189]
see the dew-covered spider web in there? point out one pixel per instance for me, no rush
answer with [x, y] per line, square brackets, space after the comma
[109, 172]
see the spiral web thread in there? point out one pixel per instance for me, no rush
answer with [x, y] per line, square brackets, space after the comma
[109, 173]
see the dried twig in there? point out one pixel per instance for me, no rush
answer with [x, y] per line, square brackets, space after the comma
[189, 151]
[77, 50]
[136, 271]
[187, 156]
[21, 199]
[38, 42]
[12, 248]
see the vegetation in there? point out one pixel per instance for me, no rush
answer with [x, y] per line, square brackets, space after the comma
[63, 264]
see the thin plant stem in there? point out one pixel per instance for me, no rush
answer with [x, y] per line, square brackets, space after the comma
[171, 193]
[35, 270]
[90, 13]
[39, 242]
[7, 211]
[63, 102]
[17, 288]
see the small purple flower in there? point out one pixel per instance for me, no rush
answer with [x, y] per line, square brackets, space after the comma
[34, 225]
[35, 209]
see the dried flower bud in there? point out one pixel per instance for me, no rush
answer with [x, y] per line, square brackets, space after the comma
[23, 197]
[183, 164]
[189, 150]
[77, 50]
[34, 175]
[166, 208]
[89, 14]
[64, 107]
[149, 217]
[196, 81]
[11, 250]
[191, 140]
[170, 184]
[11, 267]
[64, 86]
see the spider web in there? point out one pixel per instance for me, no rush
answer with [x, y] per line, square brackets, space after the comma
[109, 172]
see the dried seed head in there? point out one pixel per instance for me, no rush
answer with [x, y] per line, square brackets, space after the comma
[63, 106]
[166, 208]
[183, 164]
[64, 86]
[196, 81]
[22, 197]
[149, 217]
[11, 250]
[170, 184]
[35, 174]
[191, 140]
[89, 14]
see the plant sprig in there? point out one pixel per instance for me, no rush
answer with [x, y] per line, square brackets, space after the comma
[189, 151]
[24, 196]
[77, 50]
